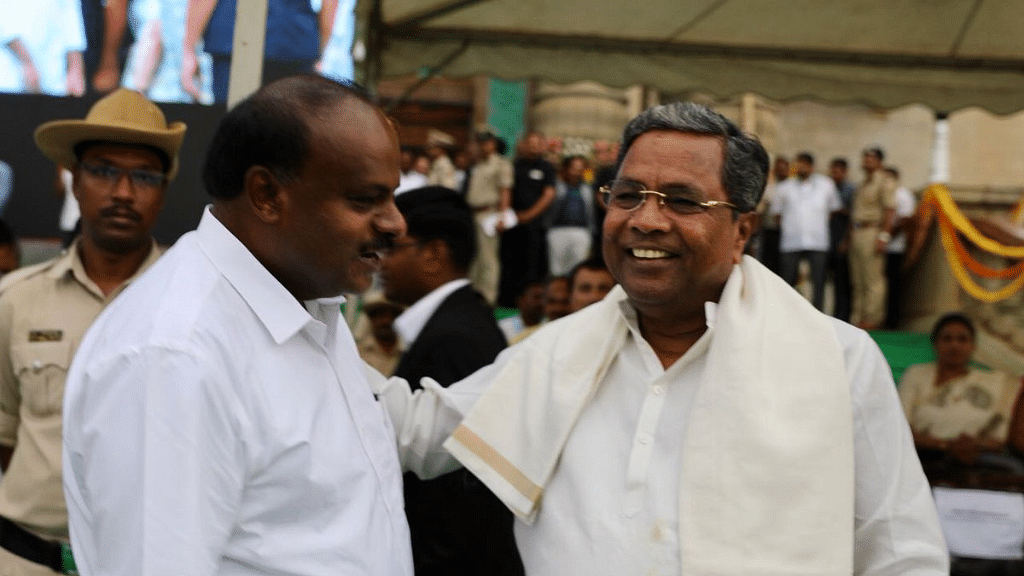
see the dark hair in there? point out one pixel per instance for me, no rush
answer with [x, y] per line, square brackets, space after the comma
[525, 283]
[840, 162]
[805, 157]
[951, 318]
[271, 128]
[588, 264]
[876, 152]
[84, 145]
[745, 163]
[568, 160]
[438, 213]
[7, 235]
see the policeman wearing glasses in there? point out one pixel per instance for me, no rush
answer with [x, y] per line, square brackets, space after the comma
[122, 156]
[703, 418]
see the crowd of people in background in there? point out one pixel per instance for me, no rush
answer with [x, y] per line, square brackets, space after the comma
[855, 236]
[539, 220]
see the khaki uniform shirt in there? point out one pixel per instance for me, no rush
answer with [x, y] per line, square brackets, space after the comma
[487, 180]
[876, 195]
[442, 173]
[44, 313]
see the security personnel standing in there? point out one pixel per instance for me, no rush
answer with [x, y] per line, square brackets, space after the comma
[122, 156]
[871, 221]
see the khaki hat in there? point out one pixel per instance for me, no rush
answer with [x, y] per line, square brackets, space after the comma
[375, 300]
[123, 117]
[439, 138]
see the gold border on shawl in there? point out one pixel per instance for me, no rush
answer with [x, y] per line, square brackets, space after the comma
[498, 463]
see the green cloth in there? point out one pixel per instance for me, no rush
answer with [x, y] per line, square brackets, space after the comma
[502, 313]
[902, 349]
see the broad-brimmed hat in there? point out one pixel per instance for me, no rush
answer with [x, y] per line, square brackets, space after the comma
[123, 117]
[436, 137]
[375, 300]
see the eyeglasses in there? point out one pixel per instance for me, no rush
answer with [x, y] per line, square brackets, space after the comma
[630, 196]
[111, 175]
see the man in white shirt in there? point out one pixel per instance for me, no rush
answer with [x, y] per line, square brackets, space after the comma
[218, 420]
[703, 418]
[803, 204]
[413, 174]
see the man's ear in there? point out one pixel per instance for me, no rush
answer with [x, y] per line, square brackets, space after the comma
[76, 180]
[746, 224]
[265, 194]
[434, 256]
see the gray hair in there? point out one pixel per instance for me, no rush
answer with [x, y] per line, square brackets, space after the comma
[745, 166]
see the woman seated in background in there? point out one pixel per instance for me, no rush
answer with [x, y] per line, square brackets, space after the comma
[956, 410]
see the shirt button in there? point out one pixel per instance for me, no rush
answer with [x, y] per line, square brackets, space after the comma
[37, 364]
[644, 440]
[658, 389]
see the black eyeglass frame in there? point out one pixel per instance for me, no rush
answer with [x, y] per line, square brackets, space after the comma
[140, 179]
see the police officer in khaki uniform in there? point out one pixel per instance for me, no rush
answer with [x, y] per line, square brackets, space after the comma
[489, 192]
[442, 171]
[122, 156]
[871, 220]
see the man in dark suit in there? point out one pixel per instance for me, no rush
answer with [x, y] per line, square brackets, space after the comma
[457, 525]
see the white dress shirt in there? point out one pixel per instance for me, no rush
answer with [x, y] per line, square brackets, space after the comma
[805, 206]
[612, 505]
[410, 323]
[216, 426]
[905, 205]
[410, 181]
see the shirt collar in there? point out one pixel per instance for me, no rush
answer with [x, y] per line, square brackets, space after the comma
[633, 323]
[410, 323]
[70, 263]
[632, 320]
[277, 309]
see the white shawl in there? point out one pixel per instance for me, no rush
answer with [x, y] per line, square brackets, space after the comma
[767, 484]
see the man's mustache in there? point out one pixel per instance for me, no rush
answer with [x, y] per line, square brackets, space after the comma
[120, 211]
[379, 244]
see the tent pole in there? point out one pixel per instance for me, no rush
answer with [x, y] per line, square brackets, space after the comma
[940, 149]
[748, 113]
[373, 63]
[246, 73]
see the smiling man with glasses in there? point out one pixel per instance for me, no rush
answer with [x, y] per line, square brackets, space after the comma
[122, 155]
[703, 418]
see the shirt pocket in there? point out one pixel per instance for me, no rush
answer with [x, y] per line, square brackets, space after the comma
[42, 368]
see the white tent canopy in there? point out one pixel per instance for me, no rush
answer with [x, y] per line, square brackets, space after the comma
[947, 54]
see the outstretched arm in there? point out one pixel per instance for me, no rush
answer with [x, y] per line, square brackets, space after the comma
[115, 22]
[29, 73]
[197, 17]
[328, 11]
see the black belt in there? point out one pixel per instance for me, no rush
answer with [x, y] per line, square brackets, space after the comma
[27, 545]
